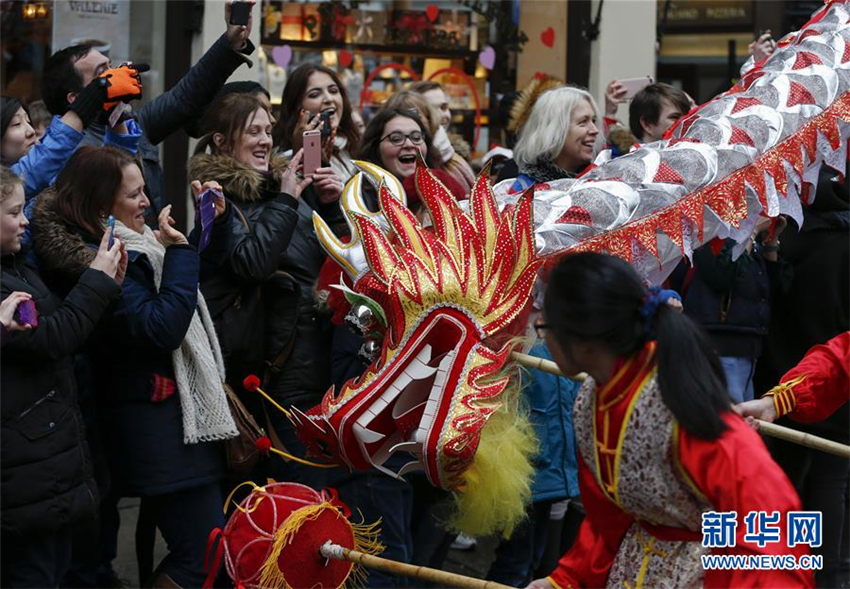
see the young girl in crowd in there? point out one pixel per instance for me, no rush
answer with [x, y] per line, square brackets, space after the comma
[266, 274]
[310, 91]
[157, 366]
[559, 139]
[46, 468]
[39, 161]
[658, 444]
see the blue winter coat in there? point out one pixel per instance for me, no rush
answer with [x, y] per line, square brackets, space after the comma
[143, 438]
[40, 166]
[551, 399]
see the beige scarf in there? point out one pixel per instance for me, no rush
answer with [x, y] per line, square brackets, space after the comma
[198, 364]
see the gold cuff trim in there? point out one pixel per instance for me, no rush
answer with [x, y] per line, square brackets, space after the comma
[784, 399]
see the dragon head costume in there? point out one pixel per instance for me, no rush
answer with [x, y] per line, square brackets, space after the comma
[446, 301]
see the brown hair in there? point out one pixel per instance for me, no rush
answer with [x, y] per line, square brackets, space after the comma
[228, 115]
[407, 99]
[424, 86]
[293, 97]
[646, 105]
[8, 181]
[86, 186]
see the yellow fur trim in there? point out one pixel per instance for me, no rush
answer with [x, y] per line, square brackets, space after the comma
[497, 487]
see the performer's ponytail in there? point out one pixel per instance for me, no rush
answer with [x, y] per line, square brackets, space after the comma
[593, 297]
[690, 375]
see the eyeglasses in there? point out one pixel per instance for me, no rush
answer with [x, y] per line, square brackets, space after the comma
[541, 328]
[397, 138]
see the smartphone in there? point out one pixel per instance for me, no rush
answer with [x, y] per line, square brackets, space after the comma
[325, 116]
[239, 13]
[312, 151]
[206, 214]
[635, 85]
[26, 313]
[110, 224]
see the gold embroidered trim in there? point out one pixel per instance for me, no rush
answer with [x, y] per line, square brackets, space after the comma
[784, 399]
[677, 458]
[649, 549]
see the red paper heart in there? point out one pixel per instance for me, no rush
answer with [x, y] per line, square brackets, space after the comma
[345, 58]
[433, 12]
[548, 37]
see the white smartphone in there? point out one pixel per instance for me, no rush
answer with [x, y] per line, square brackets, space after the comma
[635, 85]
[312, 141]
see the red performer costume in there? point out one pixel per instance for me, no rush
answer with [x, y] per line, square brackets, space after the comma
[816, 387]
[645, 483]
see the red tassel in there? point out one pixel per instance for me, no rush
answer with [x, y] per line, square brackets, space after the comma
[214, 540]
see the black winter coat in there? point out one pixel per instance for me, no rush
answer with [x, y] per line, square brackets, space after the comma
[731, 299]
[279, 252]
[130, 353]
[816, 307]
[44, 458]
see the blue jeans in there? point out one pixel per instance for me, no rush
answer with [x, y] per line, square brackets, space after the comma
[739, 377]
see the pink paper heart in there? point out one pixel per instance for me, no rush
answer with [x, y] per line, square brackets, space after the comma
[282, 55]
[487, 57]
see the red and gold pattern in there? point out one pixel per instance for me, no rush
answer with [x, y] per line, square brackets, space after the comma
[454, 295]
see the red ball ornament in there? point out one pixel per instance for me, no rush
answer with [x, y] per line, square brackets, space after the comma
[272, 540]
[264, 444]
[251, 383]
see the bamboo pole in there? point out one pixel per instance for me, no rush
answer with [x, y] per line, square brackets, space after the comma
[330, 550]
[770, 429]
[542, 365]
[804, 439]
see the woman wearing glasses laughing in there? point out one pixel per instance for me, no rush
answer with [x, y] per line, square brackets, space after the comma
[393, 139]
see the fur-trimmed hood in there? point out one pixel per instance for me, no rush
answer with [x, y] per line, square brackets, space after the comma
[62, 252]
[239, 181]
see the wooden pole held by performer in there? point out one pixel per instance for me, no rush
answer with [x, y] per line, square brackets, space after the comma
[330, 550]
[804, 439]
[770, 429]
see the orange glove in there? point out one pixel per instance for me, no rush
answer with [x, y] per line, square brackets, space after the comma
[123, 84]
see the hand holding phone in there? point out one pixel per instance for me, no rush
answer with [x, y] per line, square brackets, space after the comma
[325, 117]
[110, 224]
[206, 214]
[635, 85]
[312, 141]
[26, 313]
[239, 12]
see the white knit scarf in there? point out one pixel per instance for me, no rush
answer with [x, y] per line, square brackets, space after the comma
[198, 364]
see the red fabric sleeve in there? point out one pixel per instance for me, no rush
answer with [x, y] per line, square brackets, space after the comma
[827, 380]
[736, 473]
[587, 563]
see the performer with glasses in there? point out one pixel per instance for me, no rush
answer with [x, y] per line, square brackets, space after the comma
[658, 444]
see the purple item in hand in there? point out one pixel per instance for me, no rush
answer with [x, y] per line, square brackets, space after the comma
[26, 313]
[206, 214]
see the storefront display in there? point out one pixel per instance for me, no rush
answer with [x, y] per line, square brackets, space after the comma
[380, 51]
